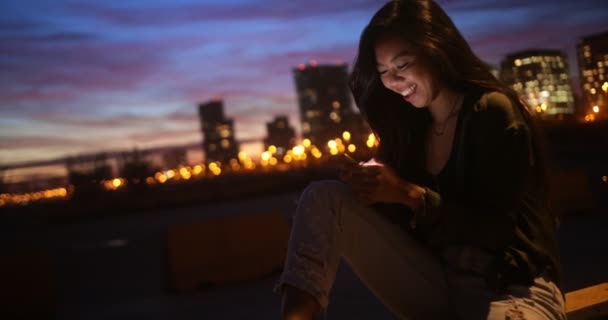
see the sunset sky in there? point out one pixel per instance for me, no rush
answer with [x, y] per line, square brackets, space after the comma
[85, 76]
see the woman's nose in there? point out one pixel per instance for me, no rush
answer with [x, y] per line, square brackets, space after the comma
[393, 79]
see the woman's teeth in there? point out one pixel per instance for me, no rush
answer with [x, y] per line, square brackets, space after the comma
[408, 91]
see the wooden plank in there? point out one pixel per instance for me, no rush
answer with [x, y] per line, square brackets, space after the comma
[588, 303]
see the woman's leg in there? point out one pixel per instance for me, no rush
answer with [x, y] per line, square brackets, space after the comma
[543, 300]
[472, 299]
[330, 223]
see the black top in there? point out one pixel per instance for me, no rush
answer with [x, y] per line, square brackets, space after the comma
[489, 195]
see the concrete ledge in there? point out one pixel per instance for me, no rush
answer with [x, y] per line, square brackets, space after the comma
[588, 303]
[226, 250]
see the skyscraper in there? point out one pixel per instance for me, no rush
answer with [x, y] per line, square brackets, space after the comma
[593, 65]
[541, 79]
[218, 133]
[280, 134]
[324, 101]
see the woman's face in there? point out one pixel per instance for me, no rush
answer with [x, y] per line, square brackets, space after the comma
[402, 72]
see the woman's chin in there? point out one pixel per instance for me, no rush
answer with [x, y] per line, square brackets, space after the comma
[416, 104]
[412, 99]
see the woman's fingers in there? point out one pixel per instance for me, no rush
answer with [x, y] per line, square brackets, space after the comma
[362, 181]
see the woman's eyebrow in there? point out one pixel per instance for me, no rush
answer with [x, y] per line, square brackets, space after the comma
[402, 53]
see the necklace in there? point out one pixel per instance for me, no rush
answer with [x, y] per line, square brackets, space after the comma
[445, 123]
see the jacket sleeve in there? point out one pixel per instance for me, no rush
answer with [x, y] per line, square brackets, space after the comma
[498, 165]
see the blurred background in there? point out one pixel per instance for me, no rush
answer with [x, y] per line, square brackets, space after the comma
[151, 152]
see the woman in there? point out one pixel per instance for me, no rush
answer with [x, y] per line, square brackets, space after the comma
[454, 224]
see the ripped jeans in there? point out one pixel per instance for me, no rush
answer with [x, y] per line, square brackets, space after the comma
[330, 225]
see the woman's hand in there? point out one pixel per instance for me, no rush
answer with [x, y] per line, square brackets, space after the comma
[380, 183]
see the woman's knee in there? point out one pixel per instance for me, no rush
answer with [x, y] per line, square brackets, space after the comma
[326, 190]
[321, 200]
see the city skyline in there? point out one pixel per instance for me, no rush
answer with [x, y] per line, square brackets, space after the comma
[125, 75]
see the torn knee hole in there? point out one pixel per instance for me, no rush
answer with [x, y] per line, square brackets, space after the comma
[514, 313]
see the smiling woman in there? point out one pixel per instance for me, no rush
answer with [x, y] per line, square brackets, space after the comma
[454, 222]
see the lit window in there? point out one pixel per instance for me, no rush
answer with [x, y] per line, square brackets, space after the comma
[225, 144]
[306, 127]
[312, 114]
[335, 104]
[224, 133]
[334, 117]
[212, 147]
[312, 95]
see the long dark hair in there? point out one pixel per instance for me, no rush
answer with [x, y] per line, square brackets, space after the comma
[399, 126]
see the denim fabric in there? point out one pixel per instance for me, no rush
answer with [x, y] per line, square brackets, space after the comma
[330, 224]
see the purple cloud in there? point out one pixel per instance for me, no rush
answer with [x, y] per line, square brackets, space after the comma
[158, 137]
[181, 14]
[29, 142]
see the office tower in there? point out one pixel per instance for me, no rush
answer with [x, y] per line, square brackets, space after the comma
[324, 101]
[593, 65]
[218, 133]
[280, 134]
[541, 79]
